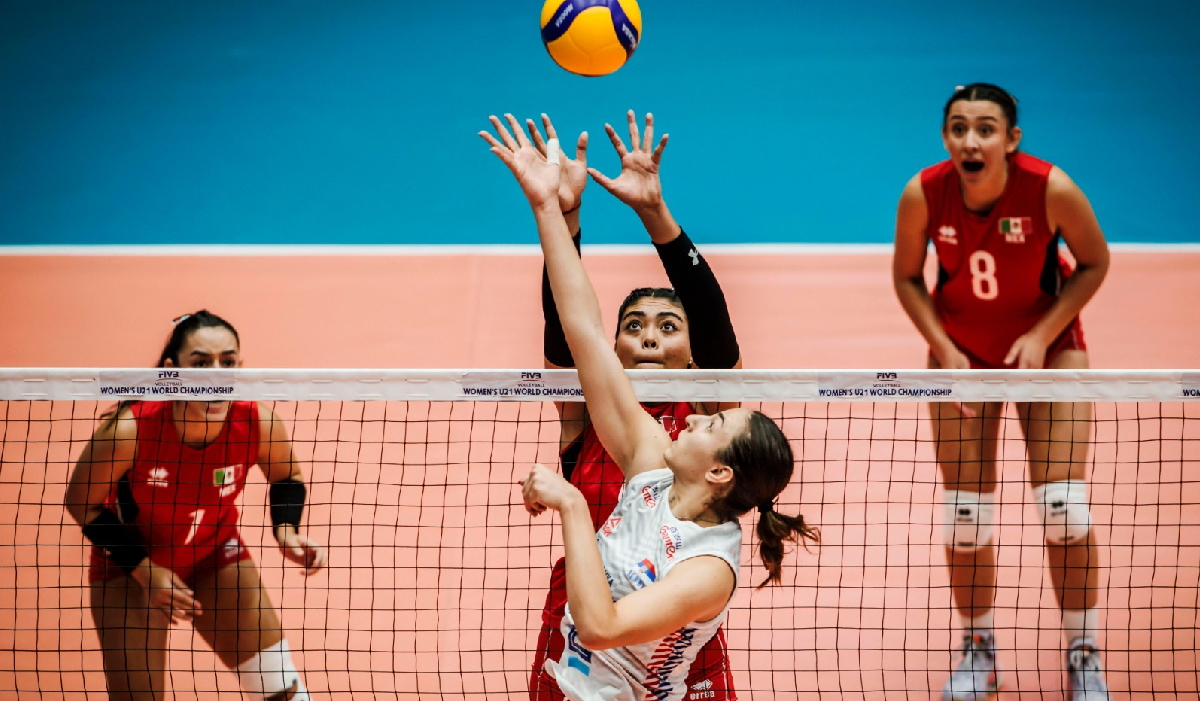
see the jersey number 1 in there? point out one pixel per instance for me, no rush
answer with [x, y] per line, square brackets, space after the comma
[197, 517]
[983, 275]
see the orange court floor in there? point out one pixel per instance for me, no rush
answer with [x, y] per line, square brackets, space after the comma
[389, 309]
[791, 310]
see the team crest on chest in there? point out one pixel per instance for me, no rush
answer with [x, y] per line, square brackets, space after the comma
[641, 575]
[1015, 228]
[947, 234]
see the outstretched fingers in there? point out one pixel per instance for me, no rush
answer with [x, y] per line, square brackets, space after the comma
[516, 127]
[536, 136]
[550, 132]
[581, 148]
[649, 136]
[505, 137]
[656, 157]
[504, 153]
[635, 141]
[616, 141]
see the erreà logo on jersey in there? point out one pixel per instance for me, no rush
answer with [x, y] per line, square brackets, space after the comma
[672, 541]
[609, 525]
[702, 690]
[947, 234]
[650, 495]
[158, 477]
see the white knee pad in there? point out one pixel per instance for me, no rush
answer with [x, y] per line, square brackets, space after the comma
[1063, 509]
[271, 674]
[969, 519]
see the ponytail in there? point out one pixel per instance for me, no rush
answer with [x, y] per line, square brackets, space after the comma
[773, 529]
[762, 462]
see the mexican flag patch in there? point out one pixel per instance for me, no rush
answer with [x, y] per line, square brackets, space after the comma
[1016, 226]
[224, 475]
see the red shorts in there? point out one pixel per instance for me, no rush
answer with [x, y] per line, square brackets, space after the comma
[184, 560]
[709, 674]
[1070, 339]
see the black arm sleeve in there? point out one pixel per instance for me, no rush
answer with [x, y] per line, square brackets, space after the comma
[287, 502]
[113, 537]
[554, 342]
[714, 344]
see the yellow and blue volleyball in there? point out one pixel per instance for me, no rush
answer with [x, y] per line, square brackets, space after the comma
[591, 37]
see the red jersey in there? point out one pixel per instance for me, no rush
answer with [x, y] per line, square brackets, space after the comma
[1000, 272]
[182, 501]
[589, 467]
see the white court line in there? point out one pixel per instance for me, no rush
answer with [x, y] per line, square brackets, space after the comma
[499, 250]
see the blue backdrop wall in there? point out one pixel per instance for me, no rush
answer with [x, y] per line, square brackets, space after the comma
[320, 122]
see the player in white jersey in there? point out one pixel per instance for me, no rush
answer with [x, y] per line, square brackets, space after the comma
[652, 586]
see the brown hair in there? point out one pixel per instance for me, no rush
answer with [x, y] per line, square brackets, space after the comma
[762, 462]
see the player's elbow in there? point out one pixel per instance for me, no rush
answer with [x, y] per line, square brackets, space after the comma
[598, 635]
[1097, 264]
[906, 285]
[78, 509]
[591, 639]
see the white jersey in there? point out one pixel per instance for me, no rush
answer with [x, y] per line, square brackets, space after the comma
[639, 544]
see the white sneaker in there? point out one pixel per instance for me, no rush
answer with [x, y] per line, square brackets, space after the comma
[1085, 677]
[977, 675]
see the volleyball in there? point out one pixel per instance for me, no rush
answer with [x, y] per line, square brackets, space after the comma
[591, 37]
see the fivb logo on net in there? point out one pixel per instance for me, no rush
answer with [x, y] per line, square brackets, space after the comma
[880, 384]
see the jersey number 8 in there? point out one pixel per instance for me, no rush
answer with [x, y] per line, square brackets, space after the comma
[983, 275]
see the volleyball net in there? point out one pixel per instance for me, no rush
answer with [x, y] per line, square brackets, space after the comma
[437, 576]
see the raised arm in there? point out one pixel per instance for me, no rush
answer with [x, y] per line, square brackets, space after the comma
[287, 492]
[572, 415]
[1070, 215]
[634, 439]
[639, 186]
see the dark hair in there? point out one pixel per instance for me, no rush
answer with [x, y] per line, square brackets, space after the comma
[762, 463]
[183, 329]
[984, 91]
[646, 293]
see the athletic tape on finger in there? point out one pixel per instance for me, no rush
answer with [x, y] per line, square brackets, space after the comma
[552, 151]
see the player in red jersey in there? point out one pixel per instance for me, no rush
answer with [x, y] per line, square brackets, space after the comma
[685, 326]
[1005, 298]
[155, 490]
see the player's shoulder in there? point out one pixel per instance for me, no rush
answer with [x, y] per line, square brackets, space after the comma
[941, 169]
[912, 213]
[124, 424]
[929, 179]
[1032, 164]
[658, 478]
